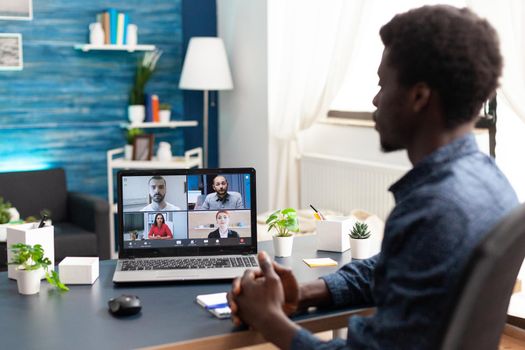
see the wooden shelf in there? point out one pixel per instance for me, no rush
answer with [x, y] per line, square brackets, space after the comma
[172, 124]
[129, 48]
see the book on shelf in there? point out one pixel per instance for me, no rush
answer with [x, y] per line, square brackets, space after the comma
[155, 108]
[115, 26]
[120, 29]
[106, 27]
[149, 108]
[113, 19]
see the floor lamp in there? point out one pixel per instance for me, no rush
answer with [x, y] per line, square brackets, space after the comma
[206, 68]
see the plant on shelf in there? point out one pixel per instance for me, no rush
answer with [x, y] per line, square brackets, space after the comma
[284, 222]
[165, 107]
[145, 69]
[359, 240]
[30, 261]
[131, 133]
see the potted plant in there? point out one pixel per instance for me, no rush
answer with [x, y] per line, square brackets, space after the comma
[131, 133]
[8, 215]
[145, 69]
[31, 264]
[284, 222]
[359, 240]
[165, 112]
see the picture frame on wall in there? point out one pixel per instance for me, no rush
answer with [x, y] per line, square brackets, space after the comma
[17, 10]
[11, 51]
[143, 147]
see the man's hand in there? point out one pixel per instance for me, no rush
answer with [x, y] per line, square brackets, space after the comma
[288, 282]
[262, 295]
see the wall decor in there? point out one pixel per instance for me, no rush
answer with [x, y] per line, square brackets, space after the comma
[11, 51]
[20, 10]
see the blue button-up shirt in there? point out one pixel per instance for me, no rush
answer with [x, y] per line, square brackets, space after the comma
[444, 206]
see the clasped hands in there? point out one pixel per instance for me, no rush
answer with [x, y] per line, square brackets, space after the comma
[263, 295]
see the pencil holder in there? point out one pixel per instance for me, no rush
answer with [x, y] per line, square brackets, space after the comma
[332, 233]
[31, 234]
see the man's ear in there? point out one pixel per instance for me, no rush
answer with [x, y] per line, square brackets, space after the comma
[419, 96]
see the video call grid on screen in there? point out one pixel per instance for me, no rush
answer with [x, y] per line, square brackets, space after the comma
[190, 220]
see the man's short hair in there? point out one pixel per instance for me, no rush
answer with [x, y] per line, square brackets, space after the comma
[157, 177]
[452, 50]
[216, 176]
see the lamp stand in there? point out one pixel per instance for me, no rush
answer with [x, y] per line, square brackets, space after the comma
[205, 129]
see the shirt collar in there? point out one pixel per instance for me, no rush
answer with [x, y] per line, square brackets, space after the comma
[456, 149]
[218, 199]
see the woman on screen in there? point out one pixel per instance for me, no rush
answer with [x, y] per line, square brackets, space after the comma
[223, 222]
[159, 229]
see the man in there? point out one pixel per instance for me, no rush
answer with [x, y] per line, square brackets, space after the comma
[157, 193]
[222, 199]
[438, 66]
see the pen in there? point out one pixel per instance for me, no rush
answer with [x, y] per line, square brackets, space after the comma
[42, 221]
[319, 215]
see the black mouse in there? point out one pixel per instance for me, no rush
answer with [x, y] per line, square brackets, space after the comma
[124, 305]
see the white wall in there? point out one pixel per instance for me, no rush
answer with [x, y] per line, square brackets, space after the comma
[243, 111]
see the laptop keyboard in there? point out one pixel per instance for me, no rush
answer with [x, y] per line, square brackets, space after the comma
[188, 263]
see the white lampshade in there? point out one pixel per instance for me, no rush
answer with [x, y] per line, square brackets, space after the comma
[206, 66]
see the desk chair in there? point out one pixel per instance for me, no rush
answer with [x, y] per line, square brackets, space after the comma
[480, 312]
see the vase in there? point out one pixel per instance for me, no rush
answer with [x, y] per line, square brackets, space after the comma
[164, 152]
[375, 225]
[165, 116]
[136, 114]
[282, 246]
[128, 152]
[28, 281]
[360, 248]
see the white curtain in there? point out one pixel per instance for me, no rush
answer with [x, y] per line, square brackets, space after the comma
[508, 17]
[310, 49]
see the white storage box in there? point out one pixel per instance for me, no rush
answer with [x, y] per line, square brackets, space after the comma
[31, 234]
[78, 270]
[333, 233]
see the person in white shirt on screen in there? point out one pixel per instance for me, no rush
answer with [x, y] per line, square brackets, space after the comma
[223, 222]
[222, 199]
[157, 192]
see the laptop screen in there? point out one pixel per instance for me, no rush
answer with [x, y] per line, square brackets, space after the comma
[186, 212]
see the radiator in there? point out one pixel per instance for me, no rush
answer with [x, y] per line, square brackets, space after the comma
[343, 184]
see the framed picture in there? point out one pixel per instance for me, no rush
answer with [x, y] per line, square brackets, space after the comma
[11, 51]
[143, 147]
[18, 10]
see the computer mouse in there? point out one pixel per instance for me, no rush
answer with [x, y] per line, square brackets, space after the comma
[124, 305]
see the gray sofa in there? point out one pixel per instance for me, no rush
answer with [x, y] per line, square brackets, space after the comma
[81, 221]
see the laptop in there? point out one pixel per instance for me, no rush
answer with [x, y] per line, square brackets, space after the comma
[173, 225]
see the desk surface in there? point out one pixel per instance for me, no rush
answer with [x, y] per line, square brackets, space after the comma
[79, 318]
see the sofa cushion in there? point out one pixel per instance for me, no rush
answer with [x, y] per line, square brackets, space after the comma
[71, 240]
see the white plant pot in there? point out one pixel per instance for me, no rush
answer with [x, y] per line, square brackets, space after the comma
[360, 248]
[128, 152]
[136, 113]
[282, 246]
[375, 225]
[29, 281]
[165, 116]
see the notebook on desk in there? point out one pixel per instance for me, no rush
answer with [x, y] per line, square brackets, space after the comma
[185, 224]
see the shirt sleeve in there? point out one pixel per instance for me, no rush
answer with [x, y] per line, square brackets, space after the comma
[167, 230]
[352, 284]
[239, 202]
[304, 340]
[206, 204]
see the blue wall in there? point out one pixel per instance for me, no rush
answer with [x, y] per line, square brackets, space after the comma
[200, 19]
[65, 107]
